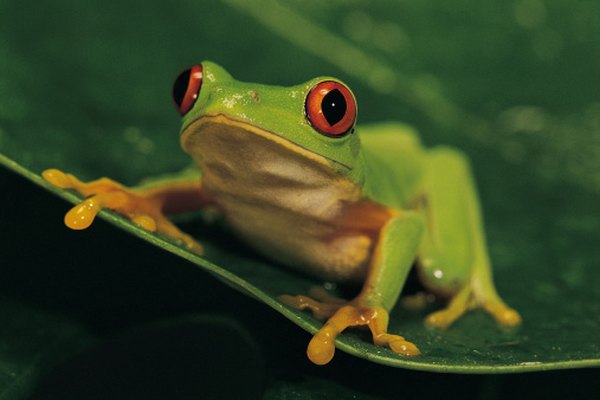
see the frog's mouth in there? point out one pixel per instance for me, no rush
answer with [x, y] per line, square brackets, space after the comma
[219, 134]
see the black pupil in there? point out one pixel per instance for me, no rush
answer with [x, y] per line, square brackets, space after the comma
[180, 86]
[334, 107]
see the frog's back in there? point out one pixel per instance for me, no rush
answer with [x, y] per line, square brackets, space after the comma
[393, 158]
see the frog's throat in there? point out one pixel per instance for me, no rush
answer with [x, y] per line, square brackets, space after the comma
[192, 129]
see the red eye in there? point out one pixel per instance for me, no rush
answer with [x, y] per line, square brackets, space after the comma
[186, 88]
[331, 108]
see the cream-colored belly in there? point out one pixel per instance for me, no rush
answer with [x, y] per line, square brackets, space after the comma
[282, 203]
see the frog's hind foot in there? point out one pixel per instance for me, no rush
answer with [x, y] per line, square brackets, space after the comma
[503, 314]
[417, 302]
[143, 207]
[465, 300]
[341, 314]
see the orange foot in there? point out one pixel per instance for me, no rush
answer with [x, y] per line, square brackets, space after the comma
[143, 207]
[340, 315]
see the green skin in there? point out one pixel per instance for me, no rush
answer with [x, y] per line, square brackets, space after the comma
[253, 140]
[441, 224]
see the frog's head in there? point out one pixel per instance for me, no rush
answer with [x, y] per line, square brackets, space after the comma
[314, 120]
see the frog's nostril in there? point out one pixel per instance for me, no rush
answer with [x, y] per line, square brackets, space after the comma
[254, 96]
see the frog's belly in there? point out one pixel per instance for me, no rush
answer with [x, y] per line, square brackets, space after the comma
[283, 200]
[301, 242]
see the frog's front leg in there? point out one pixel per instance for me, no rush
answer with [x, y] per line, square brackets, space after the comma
[147, 207]
[389, 266]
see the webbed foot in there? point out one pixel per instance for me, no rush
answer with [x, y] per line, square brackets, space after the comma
[143, 207]
[340, 315]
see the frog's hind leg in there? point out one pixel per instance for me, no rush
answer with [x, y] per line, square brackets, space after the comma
[145, 207]
[453, 257]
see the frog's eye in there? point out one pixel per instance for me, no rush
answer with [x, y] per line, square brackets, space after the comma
[331, 109]
[186, 88]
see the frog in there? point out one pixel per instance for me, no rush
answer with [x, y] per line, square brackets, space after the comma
[297, 180]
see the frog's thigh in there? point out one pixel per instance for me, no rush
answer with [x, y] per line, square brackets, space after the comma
[453, 256]
[445, 256]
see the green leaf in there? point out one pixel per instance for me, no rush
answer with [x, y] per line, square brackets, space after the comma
[87, 92]
[475, 344]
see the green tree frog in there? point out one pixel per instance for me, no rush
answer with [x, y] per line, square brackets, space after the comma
[292, 176]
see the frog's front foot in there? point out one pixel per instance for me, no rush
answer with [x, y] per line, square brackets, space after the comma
[143, 207]
[340, 315]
